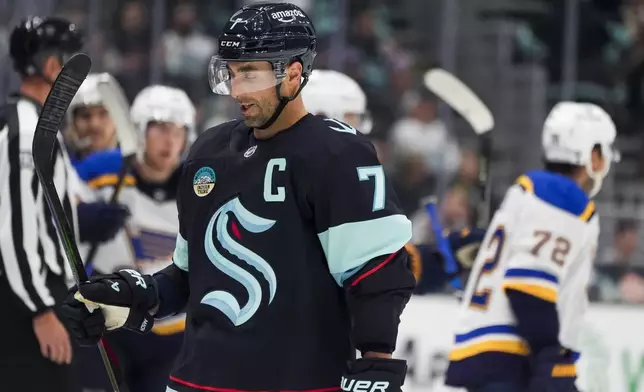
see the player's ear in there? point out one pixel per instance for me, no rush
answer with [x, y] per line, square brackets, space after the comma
[597, 159]
[51, 67]
[293, 77]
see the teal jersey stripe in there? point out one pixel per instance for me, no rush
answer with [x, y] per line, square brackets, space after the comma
[351, 245]
[180, 256]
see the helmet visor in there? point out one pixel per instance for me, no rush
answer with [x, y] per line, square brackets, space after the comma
[241, 77]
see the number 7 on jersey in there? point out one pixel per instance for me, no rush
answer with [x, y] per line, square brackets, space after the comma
[378, 174]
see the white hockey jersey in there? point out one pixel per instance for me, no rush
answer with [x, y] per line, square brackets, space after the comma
[148, 241]
[542, 242]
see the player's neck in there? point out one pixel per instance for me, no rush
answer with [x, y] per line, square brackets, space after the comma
[291, 114]
[35, 89]
[150, 174]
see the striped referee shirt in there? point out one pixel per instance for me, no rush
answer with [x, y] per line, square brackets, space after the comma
[33, 264]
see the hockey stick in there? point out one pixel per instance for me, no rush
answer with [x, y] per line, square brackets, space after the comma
[116, 104]
[45, 142]
[465, 102]
[442, 244]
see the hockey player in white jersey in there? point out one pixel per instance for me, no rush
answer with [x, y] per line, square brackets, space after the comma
[165, 118]
[525, 301]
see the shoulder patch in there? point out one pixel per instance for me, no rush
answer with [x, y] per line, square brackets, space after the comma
[559, 191]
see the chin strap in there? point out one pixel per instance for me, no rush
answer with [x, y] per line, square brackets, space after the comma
[283, 102]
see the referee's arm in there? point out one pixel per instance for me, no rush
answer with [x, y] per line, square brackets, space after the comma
[25, 240]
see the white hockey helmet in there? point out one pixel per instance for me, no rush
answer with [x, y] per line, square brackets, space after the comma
[88, 94]
[571, 132]
[335, 94]
[158, 103]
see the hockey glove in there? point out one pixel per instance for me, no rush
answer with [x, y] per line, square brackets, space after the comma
[553, 370]
[107, 302]
[374, 374]
[100, 222]
[465, 245]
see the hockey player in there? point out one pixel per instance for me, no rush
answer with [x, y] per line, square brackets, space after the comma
[165, 119]
[90, 127]
[289, 255]
[526, 297]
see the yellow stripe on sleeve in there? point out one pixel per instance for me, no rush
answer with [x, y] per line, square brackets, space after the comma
[564, 370]
[526, 183]
[110, 180]
[504, 346]
[588, 212]
[545, 293]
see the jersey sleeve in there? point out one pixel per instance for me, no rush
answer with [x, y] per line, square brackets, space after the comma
[356, 212]
[180, 254]
[172, 281]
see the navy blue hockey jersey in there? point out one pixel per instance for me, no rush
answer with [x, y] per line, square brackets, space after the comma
[271, 234]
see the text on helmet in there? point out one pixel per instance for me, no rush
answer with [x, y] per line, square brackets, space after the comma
[232, 44]
[287, 16]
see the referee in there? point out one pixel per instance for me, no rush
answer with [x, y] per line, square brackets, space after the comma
[35, 349]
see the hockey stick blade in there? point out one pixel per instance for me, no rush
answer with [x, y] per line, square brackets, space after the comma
[44, 146]
[461, 98]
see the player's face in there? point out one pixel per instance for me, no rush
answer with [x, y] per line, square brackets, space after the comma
[253, 86]
[93, 123]
[164, 143]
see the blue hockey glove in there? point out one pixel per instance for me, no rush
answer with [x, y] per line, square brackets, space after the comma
[553, 370]
[107, 302]
[374, 374]
[100, 222]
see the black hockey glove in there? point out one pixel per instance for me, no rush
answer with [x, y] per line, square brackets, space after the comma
[100, 222]
[107, 302]
[374, 374]
[553, 370]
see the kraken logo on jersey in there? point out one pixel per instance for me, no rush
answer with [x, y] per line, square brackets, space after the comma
[223, 300]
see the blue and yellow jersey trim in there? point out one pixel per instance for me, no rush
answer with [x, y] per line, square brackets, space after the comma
[110, 180]
[567, 368]
[494, 338]
[534, 282]
[101, 169]
[559, 191]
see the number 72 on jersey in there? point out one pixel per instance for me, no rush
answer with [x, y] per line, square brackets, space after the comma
[559, 249]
